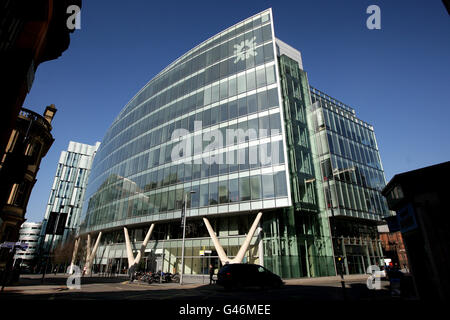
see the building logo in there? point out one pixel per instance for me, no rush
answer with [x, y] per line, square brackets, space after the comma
[245, 49]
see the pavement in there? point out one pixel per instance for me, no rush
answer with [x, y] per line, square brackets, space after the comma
[119, 288]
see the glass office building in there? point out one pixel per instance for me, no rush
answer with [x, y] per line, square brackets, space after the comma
[353, 178]
[67, 194]
[225, 126]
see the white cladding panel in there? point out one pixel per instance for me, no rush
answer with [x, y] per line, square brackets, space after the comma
[284, 48]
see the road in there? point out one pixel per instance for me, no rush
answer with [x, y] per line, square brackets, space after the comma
[98, 288]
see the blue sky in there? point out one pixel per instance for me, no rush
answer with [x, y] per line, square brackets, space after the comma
[396, 78]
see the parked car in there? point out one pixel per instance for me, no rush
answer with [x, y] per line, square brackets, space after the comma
[247, 275]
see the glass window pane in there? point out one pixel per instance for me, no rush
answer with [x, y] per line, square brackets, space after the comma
[223, 191]
[242, 106]
[272, 98]
[268, 188]
[205, 167]
[242, 84]
[232, 88]
[275, 124]
[262, 101]
[253, 124]
[270, 74]
[261, 77]
[206, 118]
[195, 197]
[196, 173]
[213, 193]
[179, 199]
[263, 127]
[232, 109]
[223, 90]
[215, 93]
[244, 188]
[207, 96]
[280, 184]
[233, 190]
[232, 161]
[171, 201]
[251, 80]
[268, 52]
[252, 104]
[204, 194]
[223, 112]
[255, 183]
[243, 158]
[163, 207]
[187, 171]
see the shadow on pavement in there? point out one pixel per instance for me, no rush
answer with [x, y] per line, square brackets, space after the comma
[62, 280]
[213, 293]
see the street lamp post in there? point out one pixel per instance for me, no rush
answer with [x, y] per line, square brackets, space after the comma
[184, 235]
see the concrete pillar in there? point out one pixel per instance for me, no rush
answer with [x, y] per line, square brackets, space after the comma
[92, 254]
[131, 259]
[240, 255]
[144, 244]
[130, 255]
[88, 247]
[222, 256]
[74, 254]
[260, 246]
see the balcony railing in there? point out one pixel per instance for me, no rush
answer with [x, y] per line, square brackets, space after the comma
[35, 117]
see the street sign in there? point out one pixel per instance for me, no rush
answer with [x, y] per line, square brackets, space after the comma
[12, 245]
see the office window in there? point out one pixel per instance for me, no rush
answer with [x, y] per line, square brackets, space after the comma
[261, 77]
[213, 193]
[268, 187]
[280, 184]
[234, 190]
[255, 184]
[244, 188]
[204, 194]
[242, 83]
[223, 192]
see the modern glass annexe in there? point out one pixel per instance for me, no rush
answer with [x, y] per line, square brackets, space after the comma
[234, 80]
[353, 178]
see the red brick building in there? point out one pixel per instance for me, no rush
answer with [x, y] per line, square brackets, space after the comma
[393, 247]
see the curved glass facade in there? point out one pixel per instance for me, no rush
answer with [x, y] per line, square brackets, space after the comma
[231, 127]
[223, 99]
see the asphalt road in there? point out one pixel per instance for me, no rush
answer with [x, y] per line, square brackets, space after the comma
[316, 289]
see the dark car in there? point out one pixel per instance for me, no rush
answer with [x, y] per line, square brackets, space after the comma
[247, 275]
